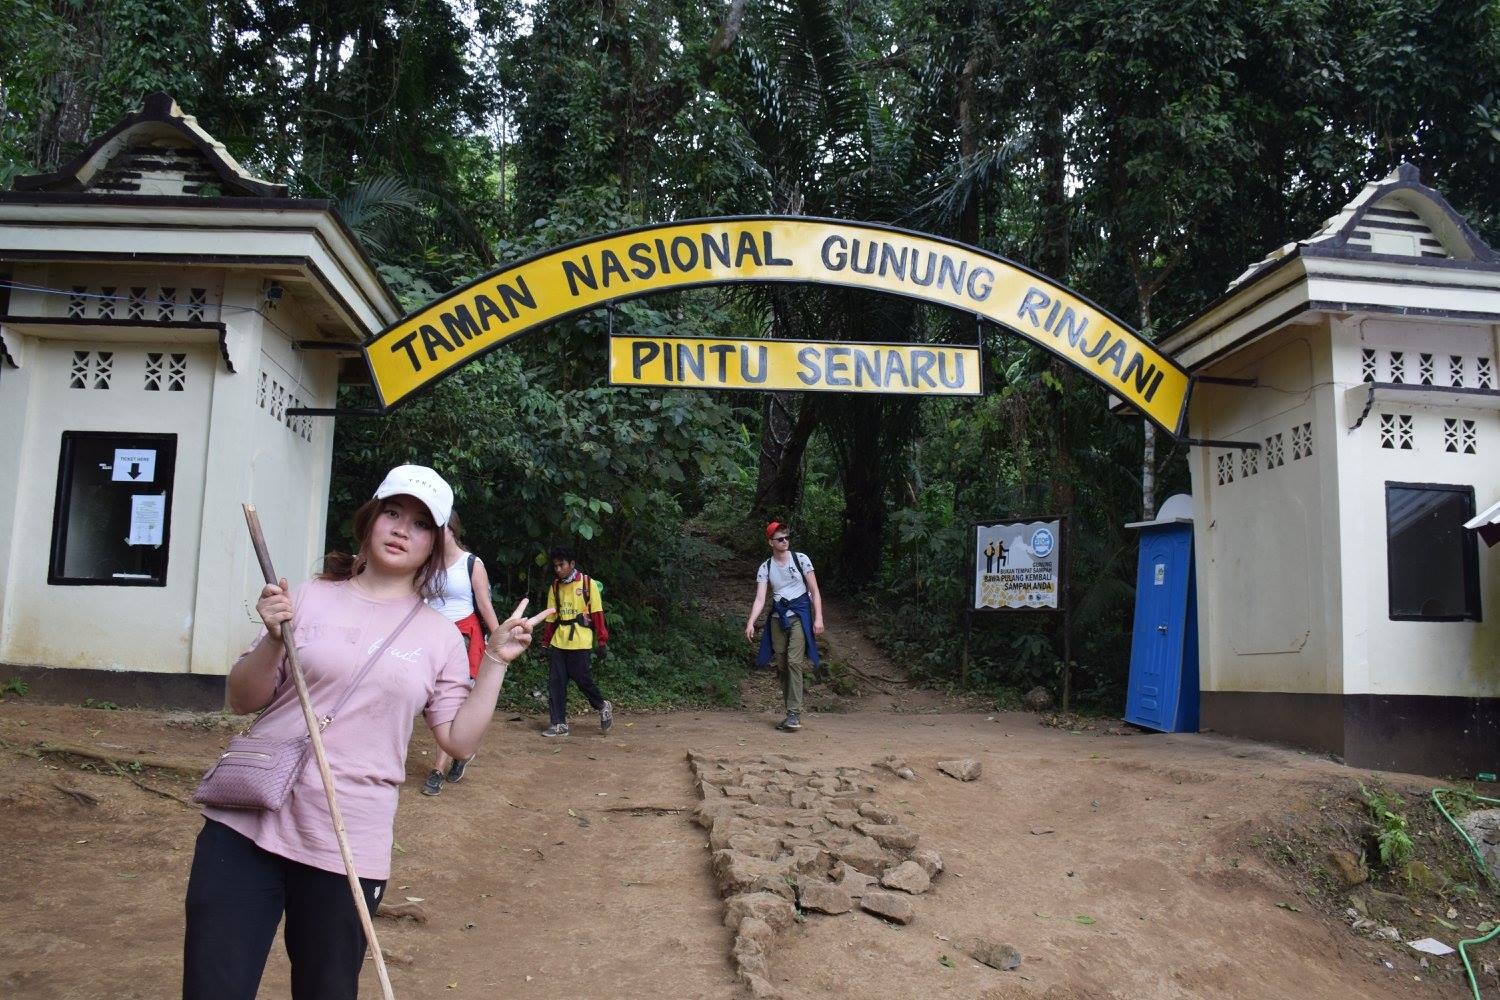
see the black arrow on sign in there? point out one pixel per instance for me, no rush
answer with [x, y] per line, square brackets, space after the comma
[135, 470]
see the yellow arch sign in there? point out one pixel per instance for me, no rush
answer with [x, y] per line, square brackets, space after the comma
[430, 343]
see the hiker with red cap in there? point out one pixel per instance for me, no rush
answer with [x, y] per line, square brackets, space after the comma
[793, 622]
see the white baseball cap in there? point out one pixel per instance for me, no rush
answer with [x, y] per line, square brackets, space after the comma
[421, 482]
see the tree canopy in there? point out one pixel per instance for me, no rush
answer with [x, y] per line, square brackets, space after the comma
[1142, 152]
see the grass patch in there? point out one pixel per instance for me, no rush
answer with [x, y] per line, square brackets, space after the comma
[1422, 878]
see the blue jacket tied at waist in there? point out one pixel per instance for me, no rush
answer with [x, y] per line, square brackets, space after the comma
[784, 610]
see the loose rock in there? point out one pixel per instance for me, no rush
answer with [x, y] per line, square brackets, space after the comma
[734, 872]
[806, 800]
[1348, 867]
[1038, 699]
[776, 912]
[889, 906]
[751, 962]
[908, 876]
[754, 929]
[864, 854]
[1419, 874]
[403, 911]
[773, 883]
[930, 860]
[1483, 827]
[856, 883]
[759, 987]
[811, 860]
[896, 838]
[964, 770]
[995, 954]
[756, 844]
[786, 835]
[823, 897]
[726, 828]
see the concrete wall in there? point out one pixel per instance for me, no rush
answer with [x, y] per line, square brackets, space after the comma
[234, 442]
[1292, 557]
[1385, 657]
[1266, 548]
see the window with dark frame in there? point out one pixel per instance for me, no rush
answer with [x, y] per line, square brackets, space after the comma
[112, 518]
[1432, 563]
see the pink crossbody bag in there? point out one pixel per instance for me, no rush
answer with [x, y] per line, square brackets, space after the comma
[257, 772]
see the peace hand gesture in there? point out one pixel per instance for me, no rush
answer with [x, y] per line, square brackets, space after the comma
[513, 636]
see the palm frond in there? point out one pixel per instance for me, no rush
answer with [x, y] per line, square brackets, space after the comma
[364, 204]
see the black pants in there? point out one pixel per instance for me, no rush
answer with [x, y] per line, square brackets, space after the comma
[569, 665]
[236, 896]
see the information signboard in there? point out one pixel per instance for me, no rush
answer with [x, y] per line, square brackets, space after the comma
[1018, 565]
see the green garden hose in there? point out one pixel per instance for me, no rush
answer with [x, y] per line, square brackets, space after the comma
[1483, 866]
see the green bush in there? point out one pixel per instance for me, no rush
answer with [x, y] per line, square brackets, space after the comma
[682, 662]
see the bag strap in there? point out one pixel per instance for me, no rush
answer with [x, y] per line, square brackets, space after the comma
[473, 594]
[796, 565]
[323, 723]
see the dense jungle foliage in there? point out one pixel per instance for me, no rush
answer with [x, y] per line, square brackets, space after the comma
[1143, 152]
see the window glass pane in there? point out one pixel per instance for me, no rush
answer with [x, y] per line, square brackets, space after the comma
[1432, 559]
[113, 509]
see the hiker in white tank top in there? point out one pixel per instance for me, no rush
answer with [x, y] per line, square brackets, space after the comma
[465, 581]
[456, 602]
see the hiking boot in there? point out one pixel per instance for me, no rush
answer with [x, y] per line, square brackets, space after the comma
[561, 729]
[456, 772]
[433, 784]
[790, 724]
[606, 716]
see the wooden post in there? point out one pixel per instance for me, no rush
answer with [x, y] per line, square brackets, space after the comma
[963, 664]
[1065, 579]
[257, 538]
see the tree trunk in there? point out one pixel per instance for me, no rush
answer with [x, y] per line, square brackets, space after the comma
[787, 423]
[863, 475]
[968, 148]
[1148, 429]
[1052, 146]
[788, 420]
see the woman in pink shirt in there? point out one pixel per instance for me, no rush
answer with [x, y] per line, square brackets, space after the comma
[252, 867]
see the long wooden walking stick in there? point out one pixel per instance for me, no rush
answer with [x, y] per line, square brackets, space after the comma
[252, 520]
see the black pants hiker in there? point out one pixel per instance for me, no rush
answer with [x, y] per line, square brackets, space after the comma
[569, 665]
[236, 896]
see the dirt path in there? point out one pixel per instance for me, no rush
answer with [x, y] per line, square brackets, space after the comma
[1145, 836]
[877, 684]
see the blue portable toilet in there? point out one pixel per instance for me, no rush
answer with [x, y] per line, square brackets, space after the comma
[1163, 690]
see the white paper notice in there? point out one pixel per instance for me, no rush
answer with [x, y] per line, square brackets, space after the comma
[1431, 946]
[146, 516]
[134, 465]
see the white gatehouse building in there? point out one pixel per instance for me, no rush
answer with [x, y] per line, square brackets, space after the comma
[165, 319]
